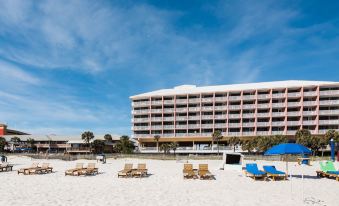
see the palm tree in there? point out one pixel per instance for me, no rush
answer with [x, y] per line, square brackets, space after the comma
[15, 139]
[124, 145]
[98, 146]
[108, 138]
[248, 145]
[216, 136]
[233, 141]
[87, 137]
[30, 142]
[3, 143]
[303, 136]
[174, 146]
[157, 138]
[165, 147]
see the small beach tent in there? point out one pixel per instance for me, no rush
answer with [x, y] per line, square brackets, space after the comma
[232, 161]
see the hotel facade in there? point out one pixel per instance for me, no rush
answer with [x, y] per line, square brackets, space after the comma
[189, 115]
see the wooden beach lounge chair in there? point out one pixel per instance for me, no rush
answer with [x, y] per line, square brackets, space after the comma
[6, 167]
[141, 171]
[273, 173]
[328, 170]
[126, 172]
[204, 173]
[46, 168]
[25, 171]
[91, 169]
[253, 171]
[76, 171]
[188, 172]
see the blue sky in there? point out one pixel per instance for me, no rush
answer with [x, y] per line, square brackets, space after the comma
[69, 66]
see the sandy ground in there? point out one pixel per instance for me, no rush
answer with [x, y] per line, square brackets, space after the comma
[164, 187]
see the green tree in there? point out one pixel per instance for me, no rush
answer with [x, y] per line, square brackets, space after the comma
[98, 146]
[87, 137]
[3, 143]
[165, 147]
[315, 144]
[234, 141]
[263, 143]
[174, 146]
[304, 137]
[124, 145]
[216, 137]
[279, 139]
[248, 145]
[108, 138]
[15, 139]
[324, 141]
[156, 139]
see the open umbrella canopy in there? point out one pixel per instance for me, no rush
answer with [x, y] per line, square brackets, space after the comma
[288, 148]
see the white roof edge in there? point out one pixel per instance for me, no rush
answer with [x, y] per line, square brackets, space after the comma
[192, 89]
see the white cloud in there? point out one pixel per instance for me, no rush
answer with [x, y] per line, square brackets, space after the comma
[13, 74]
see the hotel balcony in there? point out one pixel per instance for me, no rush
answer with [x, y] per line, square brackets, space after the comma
[156, 110]
[206, 125]
[140, 128]
[220, 116]
[194, 126]
[234, 125]
[263, 105]
[279, 132]
[263, 124]
[278, 95]
[156, 119]
[168, 118]
[159, 102]
[138, 104]
[194, 117]
[293, 104]
[329, 102]
[293, 114]
[142, 135]
[278, 114]
[248, 124]
[156, 127]
[194, 100]
[278, 105]
[231, 98]
[266, 114]
[309, 113]
[234, 107]
[142, 111]
[329, 112]
[310, 103]
[220, 99]
[207, 117]
[234, 116]
[168, 110]
[181, 126]
[193, 134]
[194, 109]
[291, 132]
[209, 99]
[220, 125]
[293, 123]
[220, 108]
[278, 123]
[248, 106]
[330, 92]
[248, 133]
[248, 97]
[168, 126]
[310, 94]
[294, 94]
[323, 131]
[207, 108]
[248, 115]
[234, 133]
[168, 135]
[183, 118]
[309, 122]
[329, 122]
[140, 120]
[181, 101]
[180, 134]
[184, 109]
[263, 133]
[169, 101]
[264, 96]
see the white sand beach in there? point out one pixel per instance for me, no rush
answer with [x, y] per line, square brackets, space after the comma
[165, 186]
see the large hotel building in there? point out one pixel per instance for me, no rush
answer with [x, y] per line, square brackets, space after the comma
[189, 115]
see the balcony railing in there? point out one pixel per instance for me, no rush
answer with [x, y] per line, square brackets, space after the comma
[278, 104]
[143, 135]
[234, 116]
[156, 102]
[142, 111]
[329, 122]
[278, 95]
[310, 103]
[181, 126]
[293, 123]
[248, 115]
[234, 107]
[207, 117]
[293, 104]
[209, 99]
[234, 97]
[293, 113]
[329, 102]
[193, 126]
[248, 124]
[141, 128]
[180, 134]
[170, 110]
[263, 105]
[248, 106]
[168, 126]
[306, 113]
[309, 122]
[140, 120]
[263, 124]
[194, 117]
[248, 133]
[137, 104]
[206, 125]
[246, 97]
[294, 94]
[192, 109]
[278, 132]
[234, 124]
[278, 114]
[234, 133]
[330, 92]
[220, 116]
[266, 114]
[263, 133]
[329, 112]
[220, 107]
[168, 118]
[181, 118]
[181, 109]
[263, 96]
[220, 99]
[168, 135]
[220, 125]
[181, 101]
[207, 108]
[156, 110]
[310, 94]
[156, 127]
[194, 100]
[278, 123]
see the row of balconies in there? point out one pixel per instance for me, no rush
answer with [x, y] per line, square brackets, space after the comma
[245, 133]
[244, 97]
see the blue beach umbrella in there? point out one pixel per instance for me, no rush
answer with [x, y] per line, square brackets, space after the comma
[288, 149]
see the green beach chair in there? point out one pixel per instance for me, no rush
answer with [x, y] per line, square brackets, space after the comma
[328, 170]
